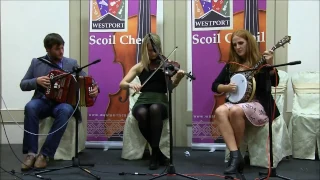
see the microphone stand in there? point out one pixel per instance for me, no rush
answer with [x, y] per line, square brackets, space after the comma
[75, 159]
[266, 72]
[171, 169]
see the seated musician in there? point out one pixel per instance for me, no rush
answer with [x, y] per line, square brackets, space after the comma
[151, 108]
[231, 118]
[40, 107]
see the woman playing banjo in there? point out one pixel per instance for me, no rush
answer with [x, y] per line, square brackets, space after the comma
[231, 117]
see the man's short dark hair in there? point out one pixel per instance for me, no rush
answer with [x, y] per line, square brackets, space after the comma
[52, 39]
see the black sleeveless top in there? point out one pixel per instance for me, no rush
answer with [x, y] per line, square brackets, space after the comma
[157, 83]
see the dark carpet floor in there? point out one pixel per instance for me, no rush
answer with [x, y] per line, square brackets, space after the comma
[108, 165]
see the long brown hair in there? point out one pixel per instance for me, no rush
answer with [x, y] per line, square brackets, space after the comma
[144, 49]
[253, 54]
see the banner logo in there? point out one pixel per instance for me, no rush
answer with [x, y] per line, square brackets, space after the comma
[210, 15]
[108, 15]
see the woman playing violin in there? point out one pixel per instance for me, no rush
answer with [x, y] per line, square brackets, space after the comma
[231, 118]
[151, 107]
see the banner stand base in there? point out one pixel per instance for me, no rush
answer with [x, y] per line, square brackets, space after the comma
[104, 144]
[208, 146]
[119, 144]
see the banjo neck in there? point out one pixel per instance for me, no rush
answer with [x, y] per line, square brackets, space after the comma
[282, 42]
[250, 74]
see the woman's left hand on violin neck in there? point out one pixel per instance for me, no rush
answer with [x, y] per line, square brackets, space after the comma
[180, 74]
[178, 77]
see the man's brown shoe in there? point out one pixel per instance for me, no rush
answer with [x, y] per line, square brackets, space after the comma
[41, 162]
[28, 163]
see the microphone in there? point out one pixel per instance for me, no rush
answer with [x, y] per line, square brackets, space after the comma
[278, 65]
[78, 69]
[96, 61]
[294, 63]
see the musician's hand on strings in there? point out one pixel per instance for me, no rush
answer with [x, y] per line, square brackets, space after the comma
[94, 92]
[232, 87]
[135, 87]
[43, 81]
[268, 56]
[180, 74]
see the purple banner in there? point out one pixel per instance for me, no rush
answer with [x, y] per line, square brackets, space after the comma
[114, 38]
[212, 26]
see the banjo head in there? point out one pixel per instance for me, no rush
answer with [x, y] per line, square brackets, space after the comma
[241, 82]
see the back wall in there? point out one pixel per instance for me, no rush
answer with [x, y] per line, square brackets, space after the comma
[19, 44]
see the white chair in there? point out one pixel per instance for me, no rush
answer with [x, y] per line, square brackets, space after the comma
[134, 143]
[304, 125]
[66, 149]
[256, 138]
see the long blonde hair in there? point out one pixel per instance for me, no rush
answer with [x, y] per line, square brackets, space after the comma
[253, 54]
[145, 61]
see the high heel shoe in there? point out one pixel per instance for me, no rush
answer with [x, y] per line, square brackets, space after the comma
[236, 163]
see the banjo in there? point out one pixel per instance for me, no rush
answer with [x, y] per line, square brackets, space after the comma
[245, 81]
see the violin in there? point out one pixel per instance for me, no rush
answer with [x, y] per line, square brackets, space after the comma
[170, 68]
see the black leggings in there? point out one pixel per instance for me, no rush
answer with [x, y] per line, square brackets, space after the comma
[150, 118]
